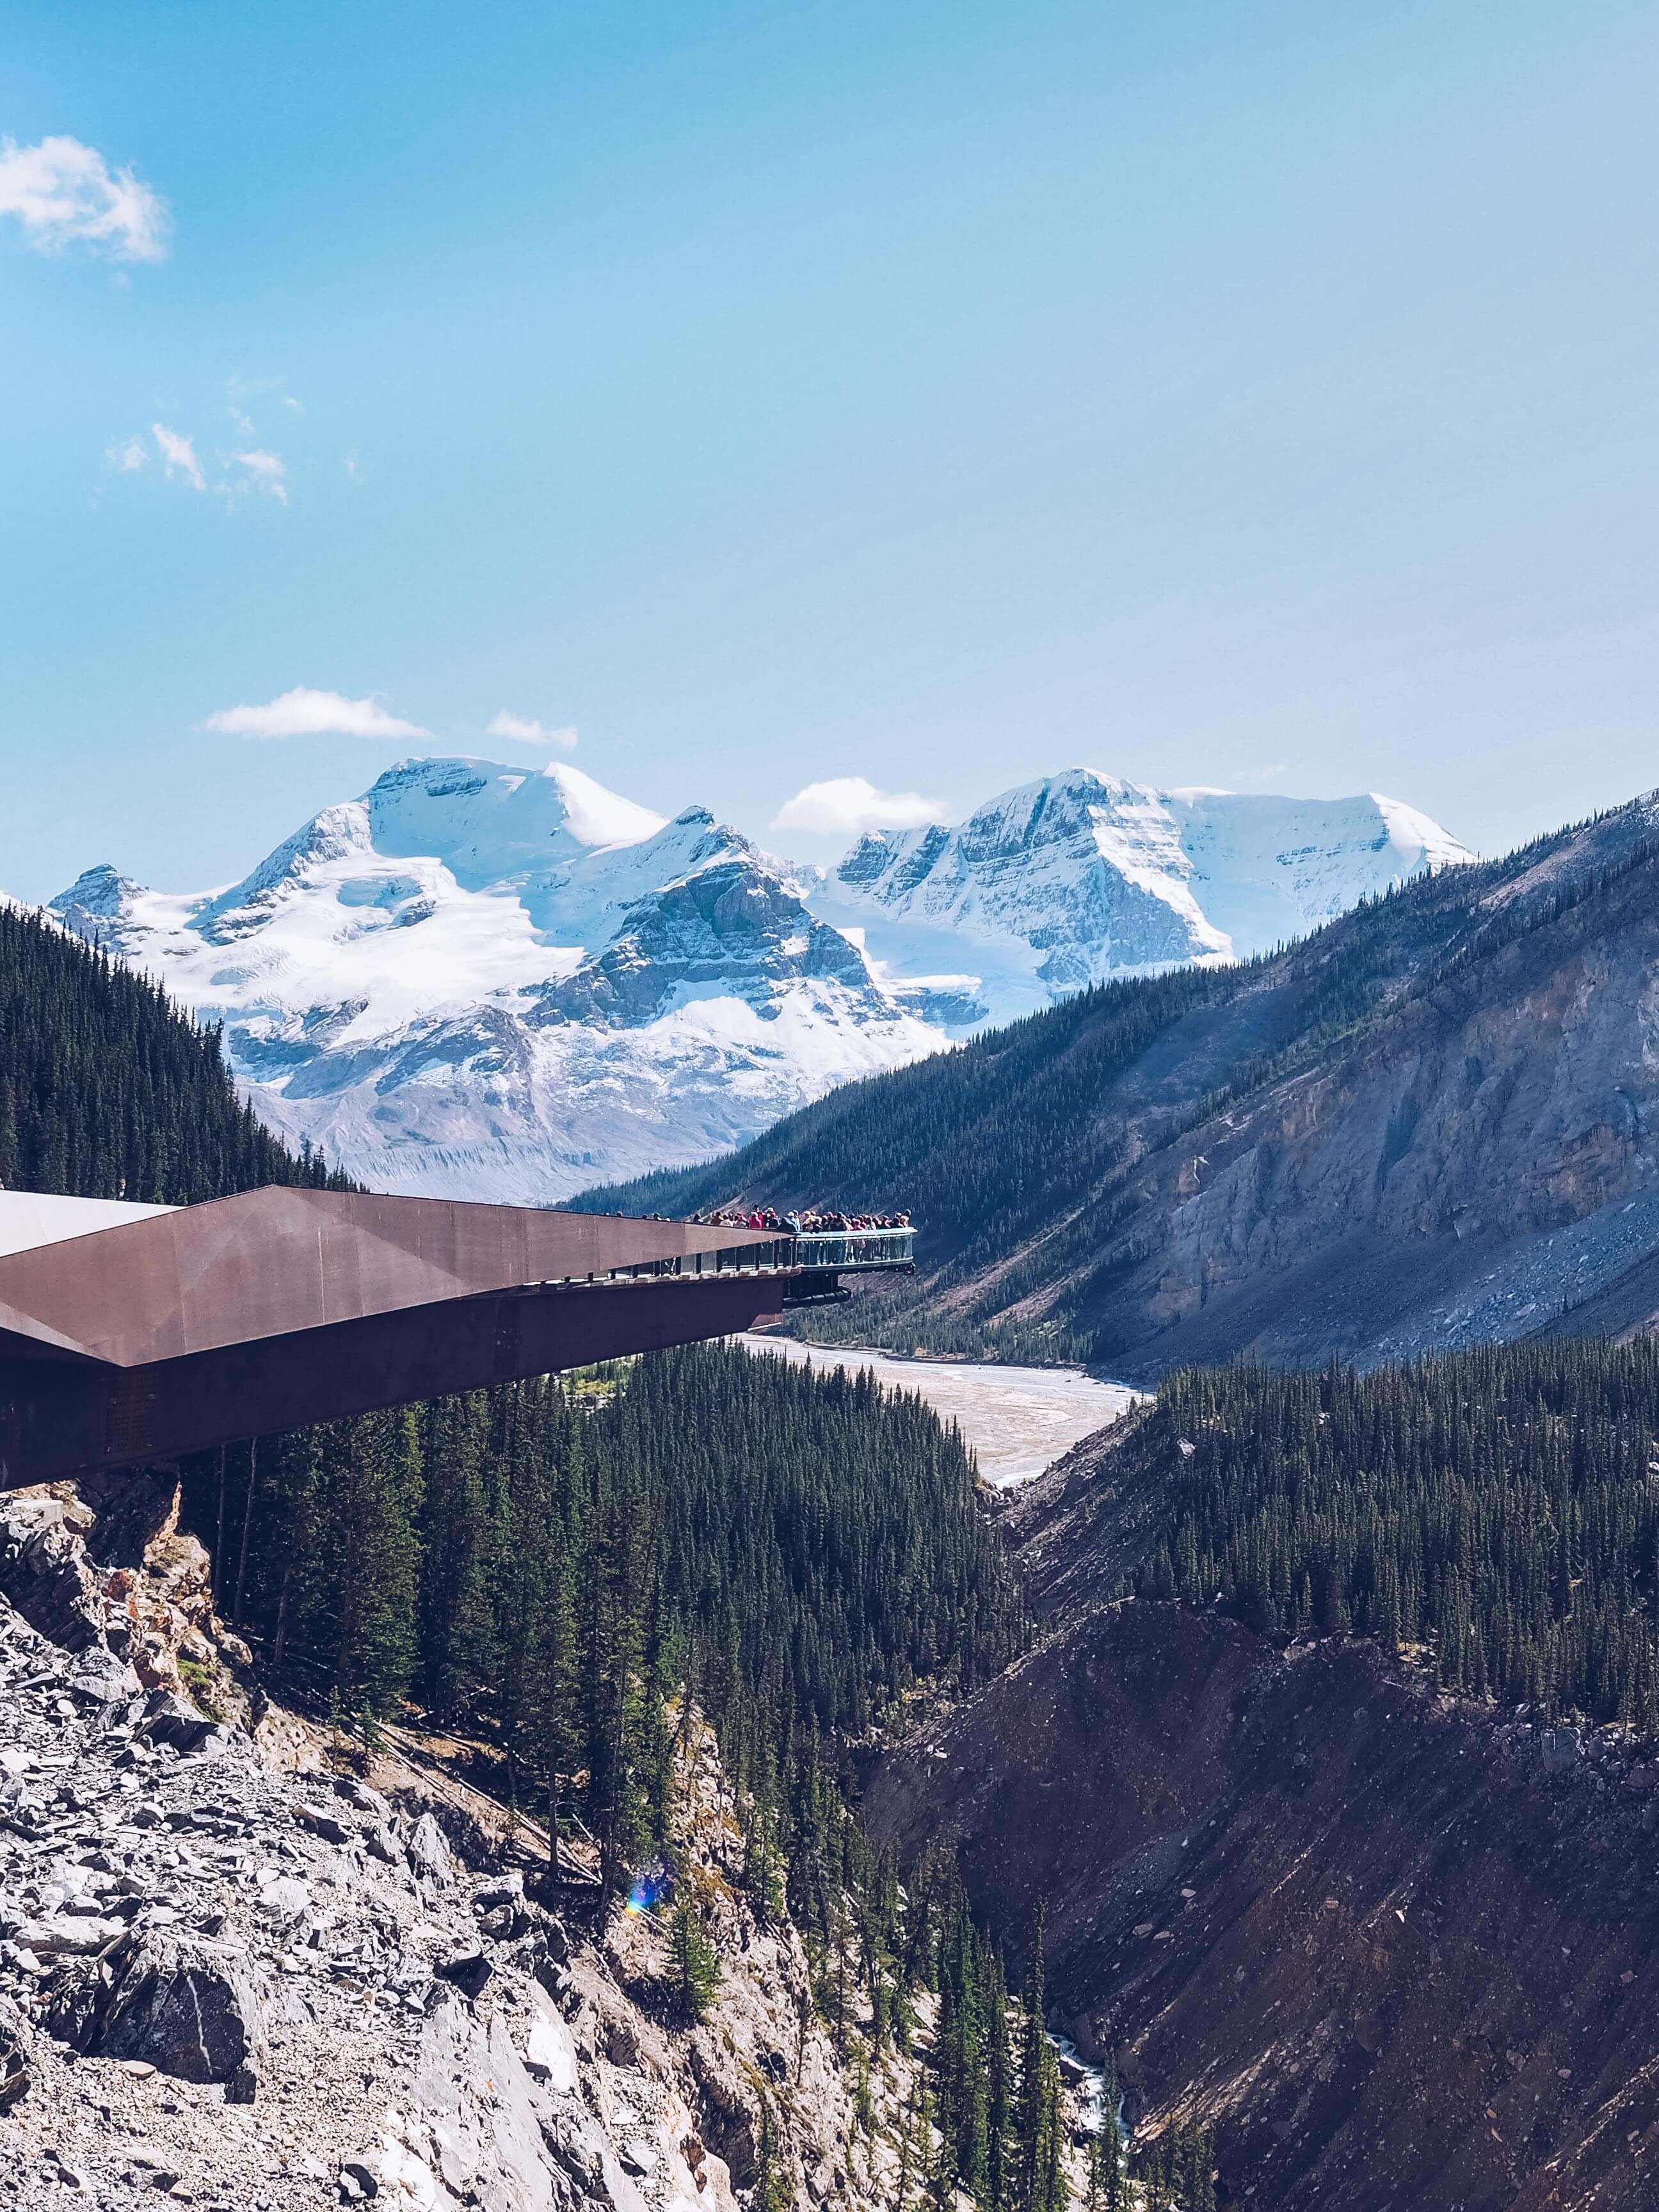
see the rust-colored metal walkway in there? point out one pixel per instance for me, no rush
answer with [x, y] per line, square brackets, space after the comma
[175, 1330]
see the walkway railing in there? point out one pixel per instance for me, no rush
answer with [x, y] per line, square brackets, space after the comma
[844, 1250]
[856, 1247]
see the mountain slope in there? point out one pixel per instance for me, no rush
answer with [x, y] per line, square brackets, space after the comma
[1391, 1937]
[1391, 1953]
[1427, 1123]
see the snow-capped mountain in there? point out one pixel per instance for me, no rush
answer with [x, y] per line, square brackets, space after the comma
[489, 983]
[484, 982]
[1081, 877]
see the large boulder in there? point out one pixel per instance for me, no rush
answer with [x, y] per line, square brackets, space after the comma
[472, 2084]
[136, 1507]
[429, 1852]
[470, 1974]
[74, 1998]
[171, 1719]
[101, 1680]
[186, 2009]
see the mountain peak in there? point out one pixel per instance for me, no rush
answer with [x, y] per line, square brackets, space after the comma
[98, 892]
[506, 980]
[1079, 876]
[499, 982]
[488, 821]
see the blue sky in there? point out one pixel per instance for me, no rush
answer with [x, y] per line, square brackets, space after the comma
[1265, 396]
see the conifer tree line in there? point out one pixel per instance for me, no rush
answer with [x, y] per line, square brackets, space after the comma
[108, 1090]
[1502, 1503]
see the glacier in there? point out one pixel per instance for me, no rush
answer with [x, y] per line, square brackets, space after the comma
[484, 981]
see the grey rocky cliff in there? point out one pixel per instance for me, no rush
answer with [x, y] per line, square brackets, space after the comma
[263, 1971]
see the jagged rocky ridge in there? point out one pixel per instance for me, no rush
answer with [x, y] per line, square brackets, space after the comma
[481, 982]
[249, 1965]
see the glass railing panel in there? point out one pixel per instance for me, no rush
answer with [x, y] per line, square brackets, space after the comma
[856, 1248]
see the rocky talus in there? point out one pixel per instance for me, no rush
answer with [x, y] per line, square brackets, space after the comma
[244, 1964]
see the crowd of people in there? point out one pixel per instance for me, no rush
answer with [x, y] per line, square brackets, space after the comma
[816, 1220]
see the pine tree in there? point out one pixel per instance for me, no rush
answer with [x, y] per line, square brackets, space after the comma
[697, 1970]
[107, 1091]
[377, 1562]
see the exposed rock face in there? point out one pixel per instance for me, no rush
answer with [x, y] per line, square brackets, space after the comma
[231, 1972]
[101, 1569]
[1459, 1170]
[727, 928]
[46, 1575]
[258, 1995]
[1397, 1950]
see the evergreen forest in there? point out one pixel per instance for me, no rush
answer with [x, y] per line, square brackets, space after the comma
[1500, 1505]
[108, 1090]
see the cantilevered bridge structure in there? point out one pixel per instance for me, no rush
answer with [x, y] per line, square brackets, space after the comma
[133, 1332]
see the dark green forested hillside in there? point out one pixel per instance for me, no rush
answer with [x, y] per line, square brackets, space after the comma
[107, 1091]
[1503, 1504]
[975, 1143]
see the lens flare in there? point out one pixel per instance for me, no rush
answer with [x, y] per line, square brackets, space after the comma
[650, 1887]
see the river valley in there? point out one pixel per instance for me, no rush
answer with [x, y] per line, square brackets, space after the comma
[1018, 1421]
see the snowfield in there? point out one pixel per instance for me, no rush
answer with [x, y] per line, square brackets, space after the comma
[483, 981]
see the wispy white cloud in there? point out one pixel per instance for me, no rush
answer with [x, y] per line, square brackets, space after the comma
[524, 730]
[266, 472]
[847, 805]
[179, 455]
[66, 194]
[352, 465]
[303, 713]
[127, 455]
